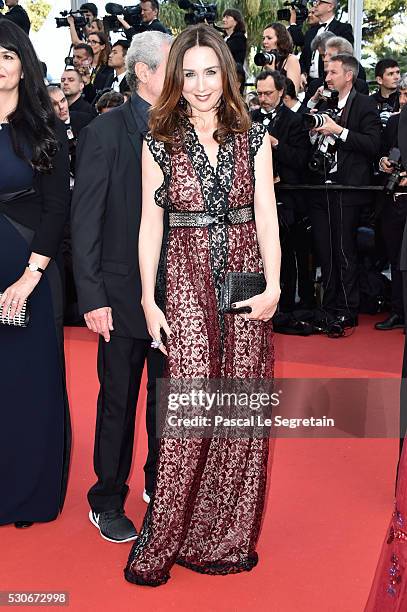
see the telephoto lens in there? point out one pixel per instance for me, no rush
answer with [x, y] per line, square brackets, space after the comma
[263, 58]
[314, 120]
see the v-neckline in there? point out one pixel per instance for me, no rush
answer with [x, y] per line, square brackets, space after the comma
[213, 169]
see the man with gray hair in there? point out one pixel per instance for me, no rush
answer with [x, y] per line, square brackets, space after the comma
[310, 60]
[329, 45]
[106, 213]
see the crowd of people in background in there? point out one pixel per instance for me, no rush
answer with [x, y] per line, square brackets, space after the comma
[324, 258]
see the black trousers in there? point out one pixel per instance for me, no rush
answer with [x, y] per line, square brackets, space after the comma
[120, 368]
[295, 265]
[334, 228]
[393, 219]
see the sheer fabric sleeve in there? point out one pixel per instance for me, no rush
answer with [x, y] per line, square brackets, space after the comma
[162, 157]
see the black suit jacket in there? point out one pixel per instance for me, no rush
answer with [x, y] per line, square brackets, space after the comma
[19, 16]
[237, 43]
[336, 27]
[106, 214]
[357, 155]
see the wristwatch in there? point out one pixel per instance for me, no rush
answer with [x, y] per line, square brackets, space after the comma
[33, 267]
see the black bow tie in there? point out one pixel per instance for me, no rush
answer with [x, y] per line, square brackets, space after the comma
[270, 116]
[115, 80]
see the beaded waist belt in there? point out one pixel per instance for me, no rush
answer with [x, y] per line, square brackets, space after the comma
[201, 219]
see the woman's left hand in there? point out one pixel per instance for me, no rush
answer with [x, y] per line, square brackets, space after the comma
[263, 306]
[15, 295]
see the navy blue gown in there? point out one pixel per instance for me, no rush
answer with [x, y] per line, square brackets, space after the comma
[34, 417]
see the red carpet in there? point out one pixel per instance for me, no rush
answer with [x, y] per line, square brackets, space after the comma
[329, 504]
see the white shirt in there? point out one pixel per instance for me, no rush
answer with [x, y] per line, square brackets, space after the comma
[313, 71]
[296, 106]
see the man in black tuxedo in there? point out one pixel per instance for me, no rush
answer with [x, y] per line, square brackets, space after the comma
[117, 61]
[354, 140]
[106, 212]
[393, 216]
[291, 148]
[310, 61]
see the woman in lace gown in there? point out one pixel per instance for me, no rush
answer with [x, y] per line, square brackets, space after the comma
[389, 589]
[201, 157]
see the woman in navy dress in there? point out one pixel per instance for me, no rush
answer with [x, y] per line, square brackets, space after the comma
[34, 197]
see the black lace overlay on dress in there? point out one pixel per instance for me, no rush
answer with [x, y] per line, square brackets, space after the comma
[215, 186]
[161, 156]
[256, 136]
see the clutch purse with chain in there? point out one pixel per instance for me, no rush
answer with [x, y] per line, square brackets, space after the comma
[240, 286]
[20, 320]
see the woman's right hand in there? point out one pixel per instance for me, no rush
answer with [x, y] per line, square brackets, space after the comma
[156, 321]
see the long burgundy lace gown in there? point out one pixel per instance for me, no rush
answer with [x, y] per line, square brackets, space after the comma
[208, 504]
[389, 588]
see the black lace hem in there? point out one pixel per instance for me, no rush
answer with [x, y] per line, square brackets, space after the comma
[222, 569]
[130, 577]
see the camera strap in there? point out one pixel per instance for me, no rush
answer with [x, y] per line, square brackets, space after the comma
[343, 119]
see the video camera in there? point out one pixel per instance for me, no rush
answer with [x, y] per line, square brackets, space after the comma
[198, 13]
[266, 57]
[394, 179]
[301, 11]
[79, 19]
[323, 157]
[131, 14]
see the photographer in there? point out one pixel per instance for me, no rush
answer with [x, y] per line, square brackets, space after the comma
[329, 45]
[94, 25]
[310, 61]
[290, 154]
[387, 74]
[235, 38]
[17, 15]
[295, 29]
[393, 212]
[149, 20]
[345, 148]
[278, 43]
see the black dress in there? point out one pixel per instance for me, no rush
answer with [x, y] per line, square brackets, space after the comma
[34, 417]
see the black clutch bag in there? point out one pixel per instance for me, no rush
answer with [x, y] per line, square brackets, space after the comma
[240, 286]
[20, 320]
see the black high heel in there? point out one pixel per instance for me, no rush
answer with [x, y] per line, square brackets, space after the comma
[23, 524]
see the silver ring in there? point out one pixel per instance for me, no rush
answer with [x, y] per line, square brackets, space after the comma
[156, 344]
[14, 301]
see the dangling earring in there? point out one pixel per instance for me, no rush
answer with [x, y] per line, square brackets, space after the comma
[182, 102]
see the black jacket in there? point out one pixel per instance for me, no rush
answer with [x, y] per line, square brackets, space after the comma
[336, 27]
[82, 106]
[237, 43]
[19, 16]
[106, 214]
[356, 156]
[45, 210]
[291, 155]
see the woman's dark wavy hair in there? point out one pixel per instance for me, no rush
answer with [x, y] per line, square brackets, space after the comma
[284, 41]
[34, 116]
[237, 16]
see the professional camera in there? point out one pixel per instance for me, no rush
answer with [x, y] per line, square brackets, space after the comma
[266, 57]
[394, 179]
[78, 16]
[323, 157]
[316, 120]
[198, 13]
[131, 14]
[301, 10]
